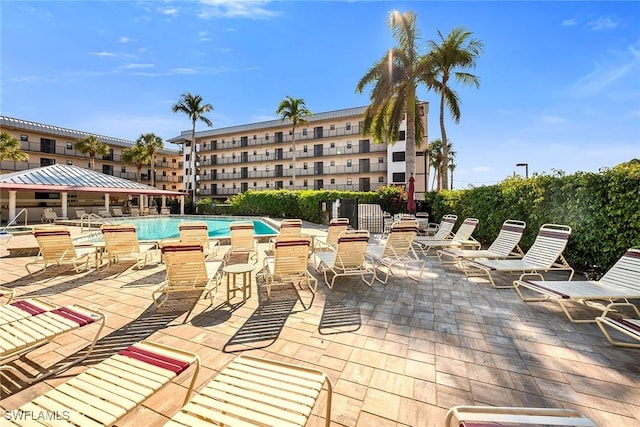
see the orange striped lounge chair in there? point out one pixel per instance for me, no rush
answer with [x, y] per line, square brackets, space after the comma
[289, 263]
[252, 391]
[490, 416]
[506, 245]
[348, 259]
[330, 241]
[56, 248]
[544, 255]
[106, 392]
[121, 242]
[461, 239]
[31, 323]
[187, 270]
[198, 232]
[620, 283]
[243, 240]
[397, 249]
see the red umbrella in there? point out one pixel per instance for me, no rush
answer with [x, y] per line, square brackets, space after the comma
[411, 203]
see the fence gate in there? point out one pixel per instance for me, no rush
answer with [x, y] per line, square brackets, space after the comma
[349, 209]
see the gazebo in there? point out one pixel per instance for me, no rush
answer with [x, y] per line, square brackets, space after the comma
[67, 179]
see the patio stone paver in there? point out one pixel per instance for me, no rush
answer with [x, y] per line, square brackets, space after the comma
[399, 354]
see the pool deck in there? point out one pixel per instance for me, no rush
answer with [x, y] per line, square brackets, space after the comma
[399, 354]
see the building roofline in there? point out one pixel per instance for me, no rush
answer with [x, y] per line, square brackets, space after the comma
[11, 122]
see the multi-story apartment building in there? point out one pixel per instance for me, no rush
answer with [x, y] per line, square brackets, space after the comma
[328, 152]
[48, 145]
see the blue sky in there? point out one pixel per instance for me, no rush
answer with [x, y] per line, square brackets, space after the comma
[560, 81]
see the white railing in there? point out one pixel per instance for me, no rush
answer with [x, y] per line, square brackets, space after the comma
[86, 219]
[15, 218]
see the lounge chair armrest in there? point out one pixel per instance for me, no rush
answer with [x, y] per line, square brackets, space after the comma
[614, 305]
[529, 275]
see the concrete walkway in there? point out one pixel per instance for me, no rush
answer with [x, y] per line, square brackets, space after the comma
[397, 355]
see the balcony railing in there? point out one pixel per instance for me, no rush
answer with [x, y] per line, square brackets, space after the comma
[341, 187]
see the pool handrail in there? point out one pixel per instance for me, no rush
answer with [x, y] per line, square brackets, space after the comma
[15, 218]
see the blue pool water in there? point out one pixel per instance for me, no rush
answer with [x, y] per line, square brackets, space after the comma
[167, 227]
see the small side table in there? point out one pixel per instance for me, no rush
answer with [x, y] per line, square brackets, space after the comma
[232, 272]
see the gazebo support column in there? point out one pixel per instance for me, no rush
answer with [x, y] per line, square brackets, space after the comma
[12, 205]
[63, 197]
[106, 202]
[141, 203]
[181, 205]
[164, 202]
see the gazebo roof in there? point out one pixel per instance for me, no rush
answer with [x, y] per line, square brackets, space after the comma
[75, 180]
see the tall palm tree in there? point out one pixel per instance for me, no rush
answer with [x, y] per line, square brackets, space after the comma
[92, 145]
[452, 166]
[137, 155]
[446, 56]
[395, 78]
[294, 110]
[435, 154]
[10, 148]
[151, 143]
[192, 106]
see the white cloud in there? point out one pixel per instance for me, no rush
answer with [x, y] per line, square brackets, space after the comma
[203, 36]
[183, 70]
[170, 11]
[569, 22]
[125, 40]
[132, 66]
[252, 9]
[553, 119]
[102, 54]
[602, 24]
[23, 79]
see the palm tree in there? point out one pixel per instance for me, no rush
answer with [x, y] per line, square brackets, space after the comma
[395, 78]
[10, 148]
[192, 106]
[137, 155]
[151, 143]
[294, 110]
[455, 52]
[452, 166]
[435, 154]
[92, 145]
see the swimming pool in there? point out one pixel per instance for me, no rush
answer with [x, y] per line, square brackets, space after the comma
[157, 228]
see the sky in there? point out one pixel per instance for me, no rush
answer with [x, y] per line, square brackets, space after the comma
[559, 81]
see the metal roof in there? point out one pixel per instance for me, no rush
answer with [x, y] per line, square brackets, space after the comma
[74, 179]
[336, 114]
[12, 123]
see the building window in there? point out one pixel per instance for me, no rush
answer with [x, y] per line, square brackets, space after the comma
[398, 156]
[332, 127]
[266, 153]
[401, 137]
[69, 162]
[164, 187]
[304, 183]
[349, 181]
[173, 160]
[47, 162]
[222, 171]
[304, 165]
[267, 168]
[290, 182]
[333, 180]
[398, 177]
[380, 159]
[255, 152]
[348, 126]
[255, 184]
[349, 163]
[290, 149]
[381, 179]
[69, 145]
[349, 144]
[290, 165]
[304, 149]
[266, 136]
[24, 137]
[173, 173]
[233, 156]
[304, 131]
[332, 145]
[332, 163]
[255, 168]
[267, 184]
[123, 169]
[234, 171]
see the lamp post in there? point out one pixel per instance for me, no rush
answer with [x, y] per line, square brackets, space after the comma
[526, 169]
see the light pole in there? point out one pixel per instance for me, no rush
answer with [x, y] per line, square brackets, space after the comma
[526, 169]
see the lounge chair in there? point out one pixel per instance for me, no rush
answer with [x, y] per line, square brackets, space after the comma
[121, 242]
[135, 211]
[628, 326]
[544, 255]
[48, 215]
[32, 323]
[330, 241]
[187, 270]
[80, 212]
[252, 391]
[104, 213]
[243, 241]
[488, 416]
[198, 232]
[117, 212]
[445, 229]
[6, 294]
[289, 263]
[397, 249]
[288, 228]
[506, 245]
[461, 239]
[348, 259]
[56, 247]
[106, 392]
[621, 282]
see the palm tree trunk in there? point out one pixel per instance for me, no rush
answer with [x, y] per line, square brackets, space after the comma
[411, 136]
[92, 160]
[192, 164]
[427, 168]
[293, 143]
[445, 149]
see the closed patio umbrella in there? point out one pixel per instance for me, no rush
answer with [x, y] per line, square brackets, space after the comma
[411, 203]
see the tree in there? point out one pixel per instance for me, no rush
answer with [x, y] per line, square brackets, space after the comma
[395, 78]
[151, 143]
[192, 106]
[137, 155]
[294, 110]
[10, 148]
[434, 151]
[92, 145]
[445, 57]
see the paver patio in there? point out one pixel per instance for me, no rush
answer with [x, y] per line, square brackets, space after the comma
[397, 355]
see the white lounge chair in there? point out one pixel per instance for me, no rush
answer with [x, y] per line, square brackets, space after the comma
[627, 326]
[397, 249]
[461, 239]
[56, 247]
[544, 255]
[329, 242]
[487, 416]
[198, 232]
[621, 282]
[289, 263]
[348, 259]
[243, 240]
[445, 229]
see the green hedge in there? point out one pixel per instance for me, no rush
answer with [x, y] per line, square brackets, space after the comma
[603, 210]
